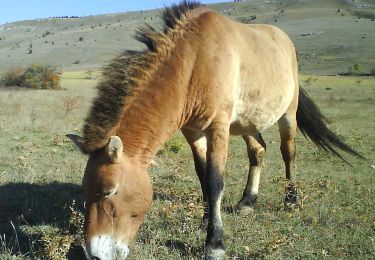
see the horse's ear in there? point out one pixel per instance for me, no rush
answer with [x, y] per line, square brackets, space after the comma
[77, 140]
[114, 149]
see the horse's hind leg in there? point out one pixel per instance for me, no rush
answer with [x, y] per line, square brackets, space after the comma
[198, 144]
[287, 128]
[256, 149]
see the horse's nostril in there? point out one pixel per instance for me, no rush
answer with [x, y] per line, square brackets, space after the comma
[95, 258]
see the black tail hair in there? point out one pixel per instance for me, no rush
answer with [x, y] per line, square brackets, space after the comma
[312, 124]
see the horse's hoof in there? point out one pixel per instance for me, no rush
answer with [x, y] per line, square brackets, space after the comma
[291, 203]
[244, 210]
[291, 194]
[291, 199]
[246, 205]
[214, 250]
[291, 206]
[214, 254]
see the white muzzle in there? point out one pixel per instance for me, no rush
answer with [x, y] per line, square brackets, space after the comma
[105, 247]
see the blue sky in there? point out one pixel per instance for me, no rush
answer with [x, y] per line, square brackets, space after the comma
[16, 10]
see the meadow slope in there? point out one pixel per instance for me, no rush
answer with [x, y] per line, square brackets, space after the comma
[330, 35]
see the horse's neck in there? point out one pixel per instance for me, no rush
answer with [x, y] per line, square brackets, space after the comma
[156, 112]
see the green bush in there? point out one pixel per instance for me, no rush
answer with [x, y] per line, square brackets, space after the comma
[174, 146]
[357, 67]
[34, 77]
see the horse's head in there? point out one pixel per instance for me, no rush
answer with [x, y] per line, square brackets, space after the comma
[118, 194]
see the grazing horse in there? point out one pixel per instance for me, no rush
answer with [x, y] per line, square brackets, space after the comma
[210, 77]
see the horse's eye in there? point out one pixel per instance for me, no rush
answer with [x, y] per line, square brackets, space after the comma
[111, 192]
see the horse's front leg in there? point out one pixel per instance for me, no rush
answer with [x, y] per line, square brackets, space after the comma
[217, 147]
[198, 145]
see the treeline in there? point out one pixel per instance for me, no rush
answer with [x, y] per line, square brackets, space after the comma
[65, 17]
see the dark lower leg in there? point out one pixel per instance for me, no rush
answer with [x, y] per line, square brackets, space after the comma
[217, 145]
[287, 127]
[200, 167]
[198, 144]
[288, 152]
[256, 150]
[215, 232]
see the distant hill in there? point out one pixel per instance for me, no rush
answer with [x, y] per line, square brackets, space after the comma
[330, 35]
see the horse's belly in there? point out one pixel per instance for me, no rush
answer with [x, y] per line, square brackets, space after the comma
[253, 115]
[247, 124]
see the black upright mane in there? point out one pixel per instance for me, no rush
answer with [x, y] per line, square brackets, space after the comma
[126, 72]
[171, 17]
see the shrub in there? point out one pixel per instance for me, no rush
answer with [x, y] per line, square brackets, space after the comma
[35, 77]
[355, 70]
[30, 49]
[46, 34]
[41, 77]
[357, 67]
[174, 145]
[13, 77]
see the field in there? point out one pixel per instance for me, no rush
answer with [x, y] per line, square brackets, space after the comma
[41, 173]
[41, 200]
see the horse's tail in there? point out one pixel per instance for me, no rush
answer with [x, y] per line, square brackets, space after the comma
[312, 124]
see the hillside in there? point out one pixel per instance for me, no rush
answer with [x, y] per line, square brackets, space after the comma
[330, 36]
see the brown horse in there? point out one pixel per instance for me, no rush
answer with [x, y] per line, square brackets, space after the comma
[210, 77]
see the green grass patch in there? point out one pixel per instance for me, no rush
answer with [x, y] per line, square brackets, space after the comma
[41, 174]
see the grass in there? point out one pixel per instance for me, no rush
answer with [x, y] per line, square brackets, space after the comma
[41, 172]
